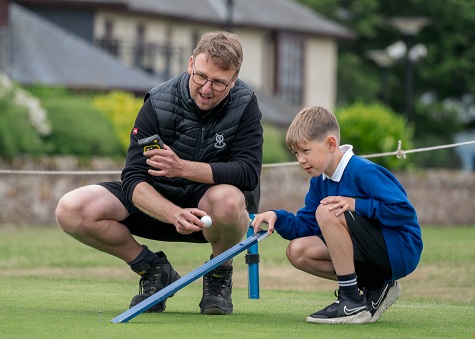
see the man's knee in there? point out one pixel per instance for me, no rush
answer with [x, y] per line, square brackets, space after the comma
[68, 212]
[225, 201]
[79, 208]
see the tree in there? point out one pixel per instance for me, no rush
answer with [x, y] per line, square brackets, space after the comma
[443, 79]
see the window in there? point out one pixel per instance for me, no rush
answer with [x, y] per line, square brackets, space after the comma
[107, 42]
[289, 81]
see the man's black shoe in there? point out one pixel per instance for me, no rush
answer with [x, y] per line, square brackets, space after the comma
[217, 289]
[380, 300]
[155, 275]
[342, 311]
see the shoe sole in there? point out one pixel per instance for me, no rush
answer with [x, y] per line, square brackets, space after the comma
[360, 318]
[393, 293]
[216, 311]
[159, 308]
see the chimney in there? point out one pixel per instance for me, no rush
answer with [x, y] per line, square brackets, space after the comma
[4, 36]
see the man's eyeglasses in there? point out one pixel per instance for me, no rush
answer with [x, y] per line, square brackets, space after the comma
[216, 85]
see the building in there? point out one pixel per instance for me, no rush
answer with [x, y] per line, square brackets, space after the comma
[290, 52]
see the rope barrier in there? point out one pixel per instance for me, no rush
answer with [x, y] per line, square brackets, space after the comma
[399, 153]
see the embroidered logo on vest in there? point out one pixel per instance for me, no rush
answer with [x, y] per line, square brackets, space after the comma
[219, 141]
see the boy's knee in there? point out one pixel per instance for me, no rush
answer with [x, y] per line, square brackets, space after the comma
[326, 217]
[294, 252]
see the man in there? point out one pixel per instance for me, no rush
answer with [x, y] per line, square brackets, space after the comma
[210, 124]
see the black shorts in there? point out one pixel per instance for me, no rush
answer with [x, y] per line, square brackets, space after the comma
[369, 247]
[143, 225]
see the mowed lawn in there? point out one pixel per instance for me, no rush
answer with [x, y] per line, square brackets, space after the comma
[55, 287]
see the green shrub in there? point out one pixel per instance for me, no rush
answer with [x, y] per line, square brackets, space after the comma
[274, 150]
[23, 121]
[17, 134]
[374, 128]
[121, 108]
[77, 127]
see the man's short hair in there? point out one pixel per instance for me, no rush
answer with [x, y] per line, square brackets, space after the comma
[223, 48]
[312, 124]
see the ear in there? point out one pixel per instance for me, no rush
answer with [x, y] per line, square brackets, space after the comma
[190, 65]
[233, 81]
[331, 143]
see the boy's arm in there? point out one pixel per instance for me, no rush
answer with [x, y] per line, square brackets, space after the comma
[302, 224]
[385, 199]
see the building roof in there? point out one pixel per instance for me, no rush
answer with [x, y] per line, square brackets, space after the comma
[43, 53]
[287, 15]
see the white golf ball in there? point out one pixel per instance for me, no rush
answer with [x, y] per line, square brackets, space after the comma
[207, 220]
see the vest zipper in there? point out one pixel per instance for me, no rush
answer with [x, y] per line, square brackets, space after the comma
[200, 142]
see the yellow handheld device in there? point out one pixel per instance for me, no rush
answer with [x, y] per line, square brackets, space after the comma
[152, 142]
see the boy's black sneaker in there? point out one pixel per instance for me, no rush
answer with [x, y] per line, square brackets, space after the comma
[342, 311]
[155, 275]
[380, 300]
[217, 289]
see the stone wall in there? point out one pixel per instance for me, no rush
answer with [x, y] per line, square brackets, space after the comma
[441, 197]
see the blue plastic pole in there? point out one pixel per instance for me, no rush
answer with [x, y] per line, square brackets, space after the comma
[252, 260]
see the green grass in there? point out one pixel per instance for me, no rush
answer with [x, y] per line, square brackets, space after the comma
[55, 287]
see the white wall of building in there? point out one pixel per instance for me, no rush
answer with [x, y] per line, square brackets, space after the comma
[257, 68]
[321, 68]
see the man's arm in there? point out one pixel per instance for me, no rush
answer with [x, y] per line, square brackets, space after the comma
[166, 163]
[148, 200]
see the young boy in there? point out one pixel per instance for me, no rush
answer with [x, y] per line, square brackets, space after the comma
[357, 226]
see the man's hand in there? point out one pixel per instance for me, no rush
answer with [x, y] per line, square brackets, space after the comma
[166, 162]
[188, 220]
[340, 204]
[268, 217]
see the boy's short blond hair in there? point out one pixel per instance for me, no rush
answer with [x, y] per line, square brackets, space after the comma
[223, 48]
[312, 124]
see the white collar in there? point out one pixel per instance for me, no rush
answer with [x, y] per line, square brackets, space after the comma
[347, 151]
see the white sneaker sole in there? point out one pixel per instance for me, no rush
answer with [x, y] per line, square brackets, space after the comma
[360, 318]
[393, 293]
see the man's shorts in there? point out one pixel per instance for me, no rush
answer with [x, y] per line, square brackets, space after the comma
[143, 225]
[369, 248]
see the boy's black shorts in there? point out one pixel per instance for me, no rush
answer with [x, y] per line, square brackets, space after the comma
[143, 225]
[370, 253]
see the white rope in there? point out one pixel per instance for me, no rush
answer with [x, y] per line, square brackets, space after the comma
[59, 172]
[399, 153]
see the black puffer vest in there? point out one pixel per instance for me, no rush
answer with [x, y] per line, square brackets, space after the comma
[193, 134]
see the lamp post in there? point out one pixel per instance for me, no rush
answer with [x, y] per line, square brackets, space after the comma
[384, 61]
[410, 27]
[229, 19]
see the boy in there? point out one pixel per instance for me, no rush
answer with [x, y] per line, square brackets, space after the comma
[357, 226]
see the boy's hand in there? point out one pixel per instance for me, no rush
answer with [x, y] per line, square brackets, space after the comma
[340, 204]
[268, 218]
